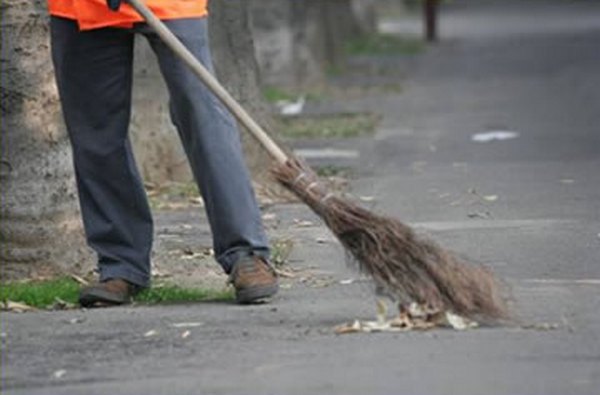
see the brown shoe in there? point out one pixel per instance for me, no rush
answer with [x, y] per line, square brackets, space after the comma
[112, 292]
[254, 280]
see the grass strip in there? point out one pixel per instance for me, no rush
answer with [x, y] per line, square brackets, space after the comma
[42, 294]
[330, 126]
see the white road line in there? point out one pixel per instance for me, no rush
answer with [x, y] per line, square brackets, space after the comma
[490, 224]
[582, 281]
[326, 153]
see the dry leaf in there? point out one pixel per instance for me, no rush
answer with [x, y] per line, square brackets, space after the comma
[415, 317]
[479, 214]
[348, 328]
[459, 323]
[156, 272]
[284, 273]
[16, 307]
[79, 279]
[60, 304]
[197, 201]
[194, 255]
[186, 324]
[269, 217]
[302, 223]
[77, 320]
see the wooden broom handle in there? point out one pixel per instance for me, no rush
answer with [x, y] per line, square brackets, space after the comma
[209, 80]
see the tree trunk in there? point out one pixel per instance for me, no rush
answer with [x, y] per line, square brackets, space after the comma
[340, 25]
[289, 43]
[297, 41]
[41, 227]
[236, 67]
[430, 20]
[366, 15]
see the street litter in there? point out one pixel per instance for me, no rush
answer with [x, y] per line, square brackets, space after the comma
[59, 373]
[303, 223]
[285, 273]
[77, 320]
[416, 317]
[269, 217]
[60, 304]
[186, 324]
[479, 214]
[185, 334]
[79, 279]
[16, 307]
[150, 333]
[367, 198]
[288, 107]
[494, 135]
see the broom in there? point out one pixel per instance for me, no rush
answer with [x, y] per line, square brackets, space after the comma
[407, 267]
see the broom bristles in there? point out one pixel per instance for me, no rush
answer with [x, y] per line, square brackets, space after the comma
[408, 267]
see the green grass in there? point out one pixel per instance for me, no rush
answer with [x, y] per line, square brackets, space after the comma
[274, 94]
[335, 126]
[332, 171]
[42, 294]
[384, 44]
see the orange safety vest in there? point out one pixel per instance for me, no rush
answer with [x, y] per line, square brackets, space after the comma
[93, 14]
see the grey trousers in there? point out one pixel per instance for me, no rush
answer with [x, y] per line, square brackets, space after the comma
[94, 77]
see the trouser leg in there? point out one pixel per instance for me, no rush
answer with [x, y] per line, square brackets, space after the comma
[94, 76]
[212, 143]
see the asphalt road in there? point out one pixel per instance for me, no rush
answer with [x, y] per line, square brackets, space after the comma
[528, 206]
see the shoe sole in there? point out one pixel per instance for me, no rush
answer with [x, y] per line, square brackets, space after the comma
[256, 294]
[97, 297]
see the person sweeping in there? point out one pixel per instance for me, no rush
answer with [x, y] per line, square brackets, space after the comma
[92, 51]
[404, 265]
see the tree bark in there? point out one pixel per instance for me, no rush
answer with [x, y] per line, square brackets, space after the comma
[41, 227]
[236, 67]
[430, 20]
[289, 43]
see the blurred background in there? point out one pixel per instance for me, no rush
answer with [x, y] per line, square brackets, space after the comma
[366, 90]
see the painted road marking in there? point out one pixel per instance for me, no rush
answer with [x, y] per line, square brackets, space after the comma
[490, 224]
[558, 281]
[327, 153]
